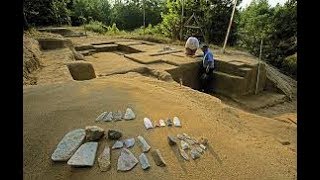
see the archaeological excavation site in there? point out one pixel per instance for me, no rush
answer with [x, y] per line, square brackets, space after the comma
[97, 107]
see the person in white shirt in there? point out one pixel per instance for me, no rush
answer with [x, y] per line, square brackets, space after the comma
[191, 46]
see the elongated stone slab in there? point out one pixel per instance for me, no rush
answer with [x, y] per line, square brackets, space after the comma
[143, 144]
[184, 154]
[147, 123]
[85, 155]
[104, 160]
[126, 160]
[144, 161]
[176, 122]
[157, 157]
[129, 115]
[68, 145]
[108, 117]
[101, 116]
[129, 142]
[162, 123]
[117, 145]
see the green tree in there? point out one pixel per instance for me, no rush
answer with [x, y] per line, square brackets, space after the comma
[96, 10]
[46, 12]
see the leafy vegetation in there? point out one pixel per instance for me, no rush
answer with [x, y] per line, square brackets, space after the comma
[276, 26]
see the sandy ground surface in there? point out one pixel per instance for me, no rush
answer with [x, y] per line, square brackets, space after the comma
[242, 145]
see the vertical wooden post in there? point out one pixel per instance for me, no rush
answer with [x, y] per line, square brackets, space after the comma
[230, 23]
[258, 74]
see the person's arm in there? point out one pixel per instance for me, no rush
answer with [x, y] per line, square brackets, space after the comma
[210, 61]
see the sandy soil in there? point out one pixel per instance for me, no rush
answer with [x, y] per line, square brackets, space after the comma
[242, 145]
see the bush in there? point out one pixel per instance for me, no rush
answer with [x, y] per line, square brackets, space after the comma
[95, 26]
[289, 64]
[149, 30]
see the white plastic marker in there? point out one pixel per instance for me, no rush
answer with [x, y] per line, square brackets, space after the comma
[147, 123]
[176, 122]
[162, 123]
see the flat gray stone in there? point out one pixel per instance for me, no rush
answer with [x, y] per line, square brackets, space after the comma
[172, 140]
[129, 115]
[68, 145]
[184, 154]
[169, 122]
[85, 155]
[176, 122]
[104, 160]
[144, 161]
[117, 116]
[194, 153]
[157, 157]
[108, 117]
[184, 145]
[114, 134]
[94, 133]
[101, 116]
[129, 142]
[143, 144]
[147, 123]
[117, 145]
[126, 160]
[162, 123]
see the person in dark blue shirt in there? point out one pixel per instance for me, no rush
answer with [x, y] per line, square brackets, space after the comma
[206, 69]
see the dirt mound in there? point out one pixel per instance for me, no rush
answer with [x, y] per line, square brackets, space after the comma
[31, 59]
[81, 71]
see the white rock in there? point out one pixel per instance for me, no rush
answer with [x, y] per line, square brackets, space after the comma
[129, 115]
[129, 142]
[176, 122]
[162, 123]
[147, 123]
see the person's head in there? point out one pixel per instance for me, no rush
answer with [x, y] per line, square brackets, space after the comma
[204, 47]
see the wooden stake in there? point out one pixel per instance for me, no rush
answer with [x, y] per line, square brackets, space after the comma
[230, 23]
